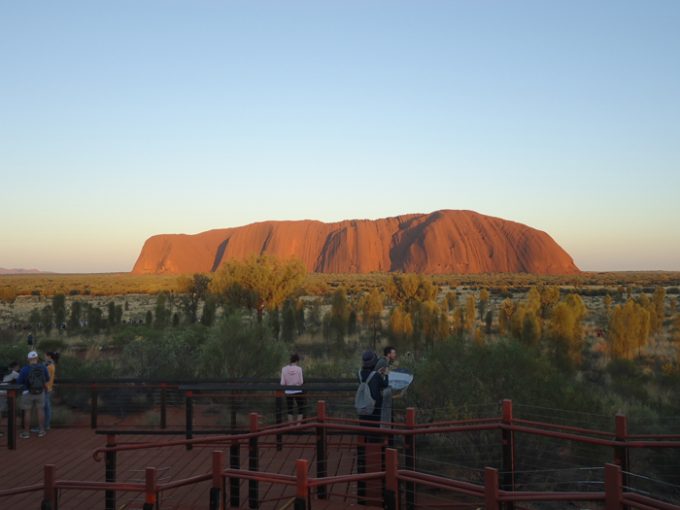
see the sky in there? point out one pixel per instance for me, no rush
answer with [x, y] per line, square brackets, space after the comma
[122, 120]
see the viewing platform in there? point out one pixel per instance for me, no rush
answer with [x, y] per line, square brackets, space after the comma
[206, 450]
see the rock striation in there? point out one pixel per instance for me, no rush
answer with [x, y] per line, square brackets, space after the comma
[447, 241]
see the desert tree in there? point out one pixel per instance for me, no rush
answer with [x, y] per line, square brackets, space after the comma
[209, 310]
[531, 328]
[507, 310]
[628, 330]
[451, 300]
[193, 291]
[482, 303]
[288, 318]
[259, 283]
[488, 321]
[400, 325]
[550, 296]
[470, 315]
[408, 290]
[74, 317]
[162, 313]
[338, 317]
[371, 305]
[59, 308]
[46, 316]
[566, 330]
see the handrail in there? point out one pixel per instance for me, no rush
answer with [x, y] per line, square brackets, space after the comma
[355, 425]
[321, 424]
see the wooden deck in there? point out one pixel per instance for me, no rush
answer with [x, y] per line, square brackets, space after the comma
[70, 450]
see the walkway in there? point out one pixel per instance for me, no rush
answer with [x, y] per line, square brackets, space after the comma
[71, 451]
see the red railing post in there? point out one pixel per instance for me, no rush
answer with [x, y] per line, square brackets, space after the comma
[361, 468]
[302, 493]
[321, 451]
[12, 419]
[410, 456]
[164, 403]
[391, 499]
[508, 443]
[189, 418]
[217, 490]
[94, 398]
[278, 416]
[110, 472]
[49, 491]
[621, 453]
[234, 482]
[613, 488]
[253, 463]
[491, 491]
[150, 491]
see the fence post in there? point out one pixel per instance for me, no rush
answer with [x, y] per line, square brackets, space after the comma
[321, 453]
[621, 453]
[361, 468]
[12, 419]
[410, 456]
[278, 413]
[613, 490]
[150, 494]
[234, 482]
[253, 464]
[508, 442]
[93, 406]
[302, 493]
[391, 498]
[110, 472]
[164, 403]
[217, 489]
[189, 421]
[491, 491]
[49, 501]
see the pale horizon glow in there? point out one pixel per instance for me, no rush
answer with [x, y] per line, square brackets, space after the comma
[129, 119]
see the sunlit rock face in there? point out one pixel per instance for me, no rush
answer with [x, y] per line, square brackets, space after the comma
[447, 241]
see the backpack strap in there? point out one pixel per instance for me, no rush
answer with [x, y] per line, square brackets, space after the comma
[370, 376]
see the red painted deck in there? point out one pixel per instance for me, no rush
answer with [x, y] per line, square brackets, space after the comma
[71, 451]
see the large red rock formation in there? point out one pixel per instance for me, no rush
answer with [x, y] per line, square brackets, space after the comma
[440, 242]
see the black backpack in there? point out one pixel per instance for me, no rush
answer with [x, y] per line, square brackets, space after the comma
[36, 379]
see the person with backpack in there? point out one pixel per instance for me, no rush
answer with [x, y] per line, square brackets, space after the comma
[51, 359]
[9, 378]
[368, 399]
[34, 378]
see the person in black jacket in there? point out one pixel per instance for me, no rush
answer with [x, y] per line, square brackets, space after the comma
[376, 384]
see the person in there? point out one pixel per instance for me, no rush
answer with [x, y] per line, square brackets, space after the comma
[291, 375]
[51, 359]
[385, 362]
[376, 383]
[33, 377]
[388, 358]
[9, 378]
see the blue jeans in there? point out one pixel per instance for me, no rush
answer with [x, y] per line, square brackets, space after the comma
[48, 409]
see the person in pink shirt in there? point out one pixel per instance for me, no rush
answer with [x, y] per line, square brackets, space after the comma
[291, 375]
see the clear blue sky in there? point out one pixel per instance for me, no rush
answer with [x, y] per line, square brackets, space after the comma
[121, 120]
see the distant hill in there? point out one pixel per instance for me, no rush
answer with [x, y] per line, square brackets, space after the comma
[446, 241]
[19, 271]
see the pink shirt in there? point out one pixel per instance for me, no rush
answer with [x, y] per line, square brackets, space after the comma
[291, 375]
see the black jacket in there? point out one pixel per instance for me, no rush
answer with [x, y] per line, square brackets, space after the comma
[377, 384]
